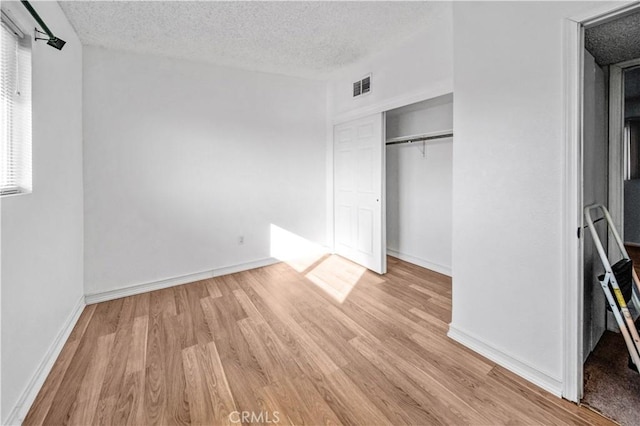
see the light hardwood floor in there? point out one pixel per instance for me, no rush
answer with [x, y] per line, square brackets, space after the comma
[272, 342]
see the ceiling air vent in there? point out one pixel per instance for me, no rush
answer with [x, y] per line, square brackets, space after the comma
[362, 87]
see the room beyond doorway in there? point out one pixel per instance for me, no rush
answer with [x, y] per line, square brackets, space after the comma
[610, 172]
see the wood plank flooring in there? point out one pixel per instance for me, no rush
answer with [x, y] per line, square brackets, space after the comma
[271, 346]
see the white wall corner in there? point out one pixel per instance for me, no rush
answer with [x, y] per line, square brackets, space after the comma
[27, 397]
[508, 361]
[134, 289]
[330, 220]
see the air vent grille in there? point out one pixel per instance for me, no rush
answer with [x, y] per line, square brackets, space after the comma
[362, 86]
[366, 85]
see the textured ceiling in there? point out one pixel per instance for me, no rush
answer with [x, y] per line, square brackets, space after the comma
[308, 39]
[615, 41]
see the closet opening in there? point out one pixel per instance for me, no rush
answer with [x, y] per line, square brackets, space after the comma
[419, 167]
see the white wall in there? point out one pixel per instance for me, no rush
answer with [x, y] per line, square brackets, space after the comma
[182, 158]
[419, 187]
[508, 162]
[42, 233]
[420, 67]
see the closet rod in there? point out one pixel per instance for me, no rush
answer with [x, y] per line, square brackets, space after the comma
[420, 139]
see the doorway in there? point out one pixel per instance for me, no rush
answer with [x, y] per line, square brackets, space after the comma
[419, 174]
[608, 177]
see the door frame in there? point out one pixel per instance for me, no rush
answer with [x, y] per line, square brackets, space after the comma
[572, 317]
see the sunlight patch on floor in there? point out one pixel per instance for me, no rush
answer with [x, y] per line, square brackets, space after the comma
[295, 251]
[336, 277]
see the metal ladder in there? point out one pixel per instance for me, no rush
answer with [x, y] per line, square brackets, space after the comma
[621, 309]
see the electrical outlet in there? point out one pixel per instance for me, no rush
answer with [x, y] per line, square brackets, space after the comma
[241, 240]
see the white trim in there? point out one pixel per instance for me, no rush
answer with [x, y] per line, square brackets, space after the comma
[13, 27]
[20, 17]
[631, 63]
[383, 195]
[506, 360]
[572, 220]
[28, 396]
[134, 289]
[445, 270]
[605, 13]
[442, 87]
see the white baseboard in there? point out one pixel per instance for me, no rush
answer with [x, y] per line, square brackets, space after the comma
[507, 361]
[420, 262]
[28, 396]
[171, 282]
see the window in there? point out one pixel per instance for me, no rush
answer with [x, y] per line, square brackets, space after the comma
[15, 110]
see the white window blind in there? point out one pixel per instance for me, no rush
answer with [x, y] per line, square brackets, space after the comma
[15, 110]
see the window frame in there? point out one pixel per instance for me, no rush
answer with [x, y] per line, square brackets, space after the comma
[16, 174]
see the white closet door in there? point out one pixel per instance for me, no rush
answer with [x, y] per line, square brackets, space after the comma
[358, 192]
